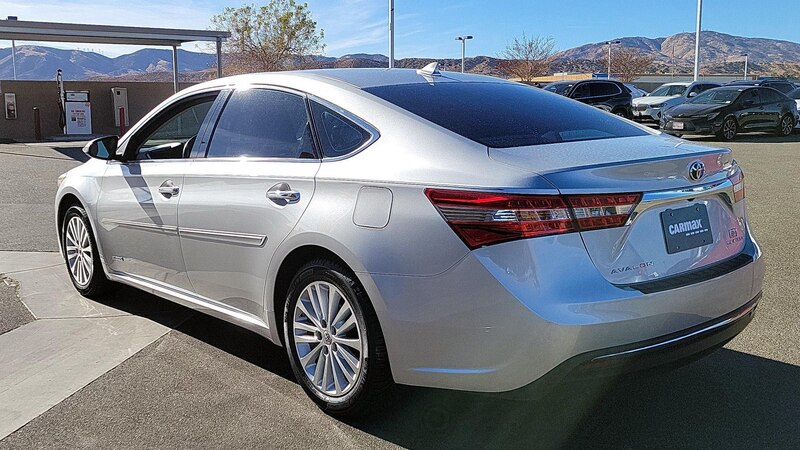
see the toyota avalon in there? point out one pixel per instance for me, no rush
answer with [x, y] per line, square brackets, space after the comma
[424, 228]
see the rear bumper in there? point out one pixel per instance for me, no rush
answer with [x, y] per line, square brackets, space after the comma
[684, 345]
[510, 315]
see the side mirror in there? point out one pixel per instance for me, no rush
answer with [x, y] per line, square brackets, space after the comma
[692, 94]
[102, 148]
[748, 103]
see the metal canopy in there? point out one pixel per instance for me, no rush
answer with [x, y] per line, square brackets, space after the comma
[23, 30]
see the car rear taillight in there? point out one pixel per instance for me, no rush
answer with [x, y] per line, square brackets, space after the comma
[602, 211]
[484, 218]
[737, 178]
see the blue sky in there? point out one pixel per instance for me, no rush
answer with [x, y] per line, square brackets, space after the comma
[426, 28]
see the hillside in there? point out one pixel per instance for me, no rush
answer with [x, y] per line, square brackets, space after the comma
[720, 53]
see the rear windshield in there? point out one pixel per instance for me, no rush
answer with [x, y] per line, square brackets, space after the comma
[503, 115]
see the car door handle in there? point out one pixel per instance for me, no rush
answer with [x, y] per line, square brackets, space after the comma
[168, 189]
[288, 196]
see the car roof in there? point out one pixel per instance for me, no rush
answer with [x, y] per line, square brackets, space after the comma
[759, 82]
[358, 78]
[729, 87]
[372, 77]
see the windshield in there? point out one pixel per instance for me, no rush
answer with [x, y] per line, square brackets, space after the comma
[558, 88]
[505, 114]
[716, 97]
[668, 91]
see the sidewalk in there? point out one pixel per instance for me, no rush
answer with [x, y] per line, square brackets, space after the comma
[72, 340]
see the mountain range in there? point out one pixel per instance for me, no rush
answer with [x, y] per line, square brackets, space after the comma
[720, 53]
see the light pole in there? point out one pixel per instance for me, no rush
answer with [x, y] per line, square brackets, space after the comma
[745, 65]
[391, 33]
[13, 50]
[463, 40]
[672, 61]
[697, 40]
[608, 75]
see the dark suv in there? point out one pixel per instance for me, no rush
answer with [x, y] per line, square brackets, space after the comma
[609, 95]
[781, 84]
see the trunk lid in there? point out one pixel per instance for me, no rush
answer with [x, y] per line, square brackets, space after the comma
[681, 224]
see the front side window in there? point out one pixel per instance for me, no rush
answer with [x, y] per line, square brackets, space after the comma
[263, 123]
[172, 135]
[558, 88]
[338, 135]
[582, 91]
[752, 95]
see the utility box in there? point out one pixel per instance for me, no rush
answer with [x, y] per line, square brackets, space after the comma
[119, 97]
[78, 112]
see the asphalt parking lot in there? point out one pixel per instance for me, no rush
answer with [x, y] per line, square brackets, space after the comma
[208, 384]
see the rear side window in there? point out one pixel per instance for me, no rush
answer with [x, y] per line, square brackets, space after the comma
[505, 114]
[602, 88]
[770, 96]
[338, 135]
[782, 87]
[263, 123]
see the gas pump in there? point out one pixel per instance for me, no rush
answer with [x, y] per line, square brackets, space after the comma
[76, 109]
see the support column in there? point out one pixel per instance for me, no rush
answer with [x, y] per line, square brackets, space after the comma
[175, 67]
[14, 57]
[219, 58]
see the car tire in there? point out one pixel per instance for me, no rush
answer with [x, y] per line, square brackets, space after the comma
[728, 130]
[354, 378]
[786, 125]
[621, 112]
[82, 258]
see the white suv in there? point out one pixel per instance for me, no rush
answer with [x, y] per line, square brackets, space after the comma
[667, 95]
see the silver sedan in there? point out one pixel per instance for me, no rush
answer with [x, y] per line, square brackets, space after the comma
[422, 228]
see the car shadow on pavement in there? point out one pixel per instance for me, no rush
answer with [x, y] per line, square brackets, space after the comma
[230, 338]
[730, 399]
[73, 152]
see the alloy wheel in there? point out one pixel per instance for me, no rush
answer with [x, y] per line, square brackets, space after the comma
[786, 126]
[729, 129]
[328, 340]
[78, 248]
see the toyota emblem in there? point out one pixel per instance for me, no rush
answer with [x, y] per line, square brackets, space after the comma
[696, 170]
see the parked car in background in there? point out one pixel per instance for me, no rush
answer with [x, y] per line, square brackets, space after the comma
[729, 110]
[530, 236]
[608, 95]
[635, 91]
[795, 95]
[666, 96]
[781, 84]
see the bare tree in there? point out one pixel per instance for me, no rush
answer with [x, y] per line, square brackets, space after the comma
[527, 57]
[629, 62]
[277, 36]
